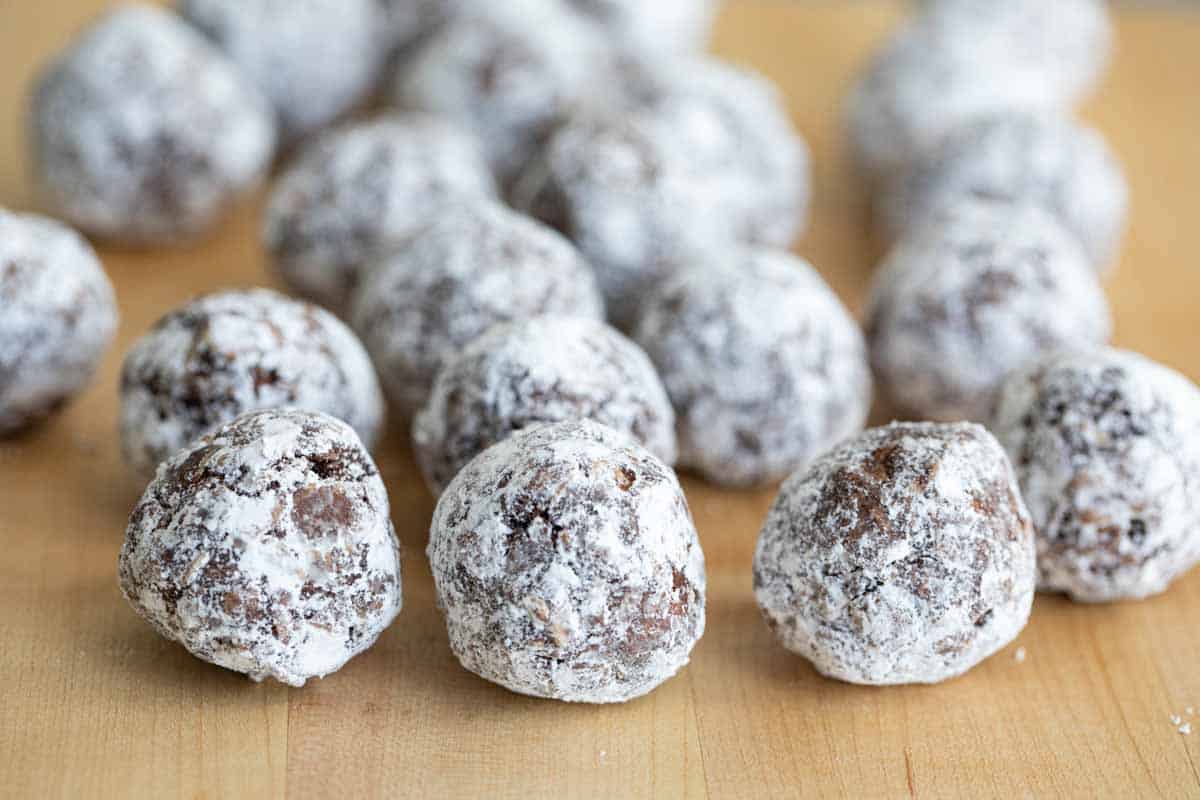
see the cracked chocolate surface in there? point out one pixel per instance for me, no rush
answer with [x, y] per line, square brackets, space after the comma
[228, 353]
[764, 365]
[568, 567]
[141, 131]
[266, 548]
[546, 369]
[58, 315]
[983, 289]
[905, 555]
[1106, 445]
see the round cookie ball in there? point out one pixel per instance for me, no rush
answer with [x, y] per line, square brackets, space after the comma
[732, 123]
[1065, 43]
[1106, 446]
[359, 191]
[499, 74]
[266, 548]
[1061, 165]
[653, 28]
[544, 369]
[904, 555]
[313, 59]
[476, 265]
[764, 365]
[915, 91]
[567, 566]
[225, 354]
[141, 131]
[979, 291]
[620, 187]
[58, 315]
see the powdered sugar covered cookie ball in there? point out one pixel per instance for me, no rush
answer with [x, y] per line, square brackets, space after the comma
[1106, 445]
[764, 365]
[662, 26]
[619, 186]
[904, 555]
[266, 548]
[982, 289]
[508, 72]
[142, 131]
[568, 567]
[545, 369]
[313, 59]
[57, 318]
[1063, 166]
[233, 352]
[476, 265]
[359, 191]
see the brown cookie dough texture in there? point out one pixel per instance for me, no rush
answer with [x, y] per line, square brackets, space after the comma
[58, 315]
[1106, 446]
[313, 59]
[764, 365]
[141, 131]
[361, 190]
[225, 354]
[545, 369]
[266, 548]
[478, 264]
[958, 60]
[507, 72]
[1065, 167]
[902, 556]
[568, 567]
[982, 289]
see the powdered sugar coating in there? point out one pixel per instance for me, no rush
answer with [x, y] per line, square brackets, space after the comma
[731, 123]
[1106, 446]
[654, 28]
[1061, 165]
[568, 567]
[620, 187]
[225, 354]
[508, 72]
[361, 190]
[764, 365]
[58, 315]
[982, 289]
[142, 131]
[476, 265]
[313, 59]
[266, 548]
[902, 556]
[545, 369]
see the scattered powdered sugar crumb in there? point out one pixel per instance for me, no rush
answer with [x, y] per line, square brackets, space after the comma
[1176, 719]
[1186, 729]
[1020, 655]
[1191, 712]
[602, 757]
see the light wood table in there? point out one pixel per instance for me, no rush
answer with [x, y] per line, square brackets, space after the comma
[94, 704]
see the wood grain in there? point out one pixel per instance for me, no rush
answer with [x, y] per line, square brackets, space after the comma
[93, 704]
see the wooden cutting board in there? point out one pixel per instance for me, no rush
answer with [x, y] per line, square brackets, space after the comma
[93, 703]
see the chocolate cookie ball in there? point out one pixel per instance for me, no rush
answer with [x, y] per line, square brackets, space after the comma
[567, 566]
[476, 265]
[620, 187]
[902, 556]
[58, 315]
[225, 354]
[313, 59]
[1065, 167]
[142, 131]
[545, 369]
[1106, 446]
[979, 291]
[357, 192]
[733, 124]
[764, 365]
[508, 72]
[266, 548]
[654, 28]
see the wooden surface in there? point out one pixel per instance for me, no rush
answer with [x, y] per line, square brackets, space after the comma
[93, 703]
